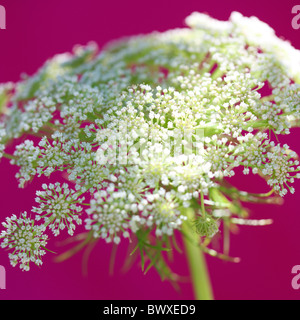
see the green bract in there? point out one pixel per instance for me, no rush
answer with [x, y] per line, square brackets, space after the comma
[153, 126]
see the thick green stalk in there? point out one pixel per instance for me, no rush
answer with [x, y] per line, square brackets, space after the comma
[199, 273]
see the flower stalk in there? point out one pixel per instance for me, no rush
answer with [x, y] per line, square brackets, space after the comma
[196, 260]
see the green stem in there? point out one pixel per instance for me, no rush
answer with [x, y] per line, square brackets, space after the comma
[202, 205]
[199, 273]
[8, 156]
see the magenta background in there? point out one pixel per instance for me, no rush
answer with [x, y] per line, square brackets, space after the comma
[36, 30]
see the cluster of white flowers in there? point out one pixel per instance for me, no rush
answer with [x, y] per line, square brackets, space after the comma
[59, 207]
[160, 209]
[155, 124]
[27, 240]
[108, 216]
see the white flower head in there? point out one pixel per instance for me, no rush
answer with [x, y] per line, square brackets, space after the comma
[25, 239]
[108, 216]
[59, 207]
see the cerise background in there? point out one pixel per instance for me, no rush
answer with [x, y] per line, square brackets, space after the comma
[36, 30]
